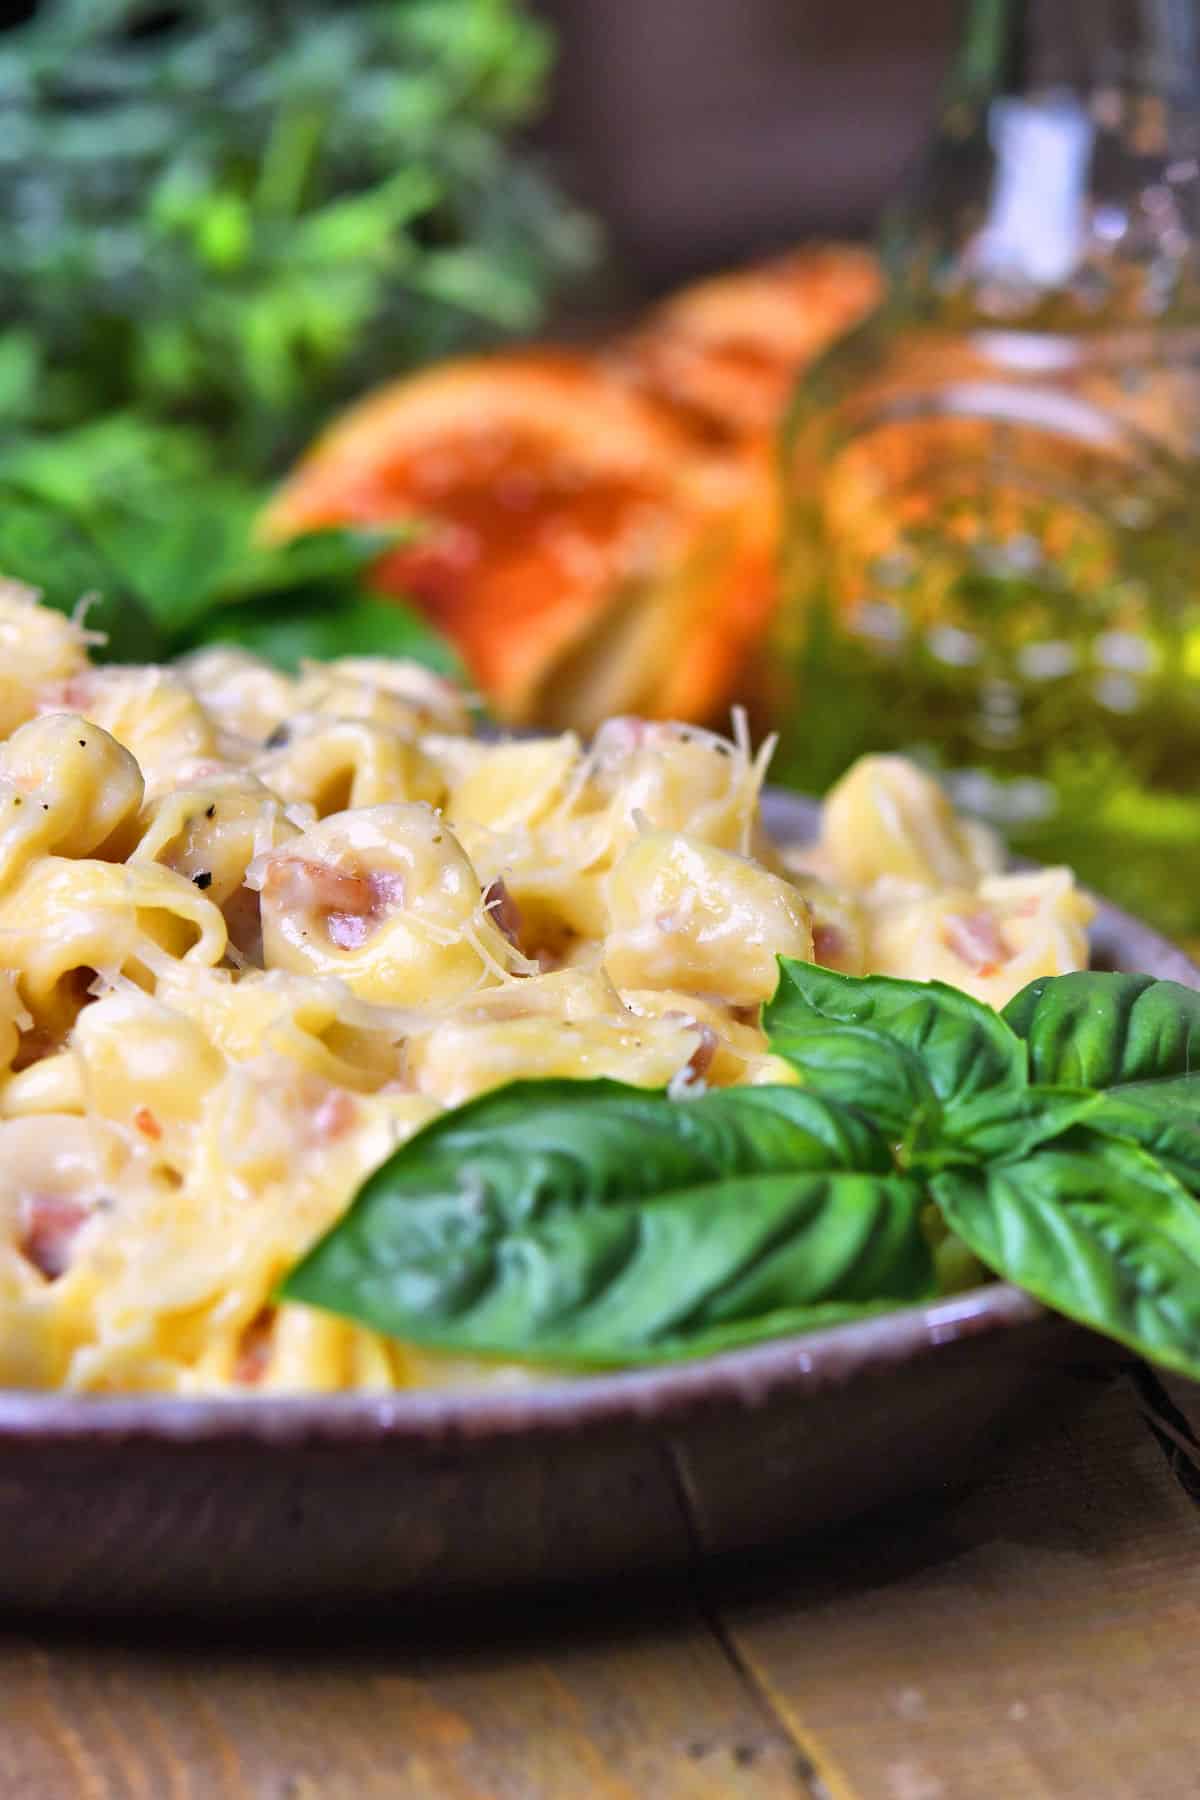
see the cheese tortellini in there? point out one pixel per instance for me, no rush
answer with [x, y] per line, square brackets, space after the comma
[685, 915]
[256, 930]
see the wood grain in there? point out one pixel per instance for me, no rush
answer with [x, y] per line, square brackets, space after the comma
[1037, 1638]
[562, 1713]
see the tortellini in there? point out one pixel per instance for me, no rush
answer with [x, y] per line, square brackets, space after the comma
[900, 885]
[130, 1043]
[212, 833]
[333, 764]
[66, 787]
[39, 650]
[679, 778]
[152, 712]
[107, 919]
[993, 939]
[565, 1023]
[551, 818]
[684, 915]
[402, 695]
[246, 697]
[889, 818]
[258, 929]
[385, 898]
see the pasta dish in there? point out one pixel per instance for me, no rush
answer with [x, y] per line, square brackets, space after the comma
[256, 930]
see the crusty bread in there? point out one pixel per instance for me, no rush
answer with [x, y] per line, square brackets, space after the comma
[598, 530]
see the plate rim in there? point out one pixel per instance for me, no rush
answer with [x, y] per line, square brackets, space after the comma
[748, 1378]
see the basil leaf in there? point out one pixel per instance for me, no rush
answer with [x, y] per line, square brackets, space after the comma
[1136, 1040]
[964, 1047]
[752, 1130]
[1100, 1031]
[189, 551]
[606, 1284]
[337, 559]
[1099, 1232]
[175, 548]
[288, 628]
[1176, 1099]
[869, 1071]
[1163, 1119]
[49, 552]
[788, 1322]
[1005, 1125]
[589, 1222]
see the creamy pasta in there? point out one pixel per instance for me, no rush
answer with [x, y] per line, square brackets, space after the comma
[255, 931]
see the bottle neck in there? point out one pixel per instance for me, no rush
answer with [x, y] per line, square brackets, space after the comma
[1028, 46]
[1065, 171]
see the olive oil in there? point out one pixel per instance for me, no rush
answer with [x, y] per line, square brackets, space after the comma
[993, 556]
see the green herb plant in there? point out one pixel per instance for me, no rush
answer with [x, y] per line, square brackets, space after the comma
[140, 522]
[220, 222]
[239, 215]
[921, 1140]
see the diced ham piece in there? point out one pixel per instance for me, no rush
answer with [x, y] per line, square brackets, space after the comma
[243, 921]
[387, 890]
[50, 1224]
[298, 884]
[351, 903]
[621, 735]
[829, 942]
[976, 940]
[254, 1351]
[700, 1061]
[334, 1115]
[348, 930]
[504, 912]
[75, 694]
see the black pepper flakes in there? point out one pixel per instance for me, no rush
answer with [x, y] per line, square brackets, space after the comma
[210, 812]
[203, 878]
[277, 738]
[83, 743]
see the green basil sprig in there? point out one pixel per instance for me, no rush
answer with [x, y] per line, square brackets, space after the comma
[1134, 1040]
[1100, 1232]
[590, 1222]
[1105, 1031]
[941, 1072]
[586, 1223]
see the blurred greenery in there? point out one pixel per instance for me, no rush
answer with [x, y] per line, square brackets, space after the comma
[237, 215]
[220, 221]
[139, 521]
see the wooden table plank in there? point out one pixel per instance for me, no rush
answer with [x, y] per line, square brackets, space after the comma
[1040, 1638]
[650, 1706]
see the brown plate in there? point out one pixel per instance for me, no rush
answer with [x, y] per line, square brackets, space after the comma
[347, 1502]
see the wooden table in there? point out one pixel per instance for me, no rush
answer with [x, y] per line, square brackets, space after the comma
[1039, 1637]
